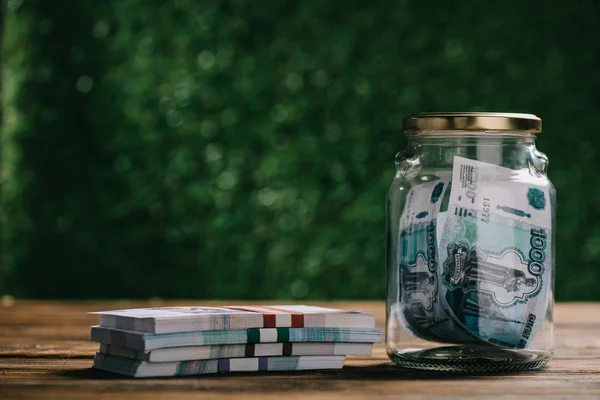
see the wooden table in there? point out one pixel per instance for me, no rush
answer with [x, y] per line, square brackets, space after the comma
[45, 352]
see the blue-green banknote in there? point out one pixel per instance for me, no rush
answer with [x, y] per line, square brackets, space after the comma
[495, 260]
[419, 308]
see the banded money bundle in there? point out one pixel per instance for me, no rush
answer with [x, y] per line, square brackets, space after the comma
[474, 256]
[178, 341]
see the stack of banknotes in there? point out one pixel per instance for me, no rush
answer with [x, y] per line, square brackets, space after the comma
[475, 259]
[178, 341]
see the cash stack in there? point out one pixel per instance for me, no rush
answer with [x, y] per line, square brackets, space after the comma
[179, 341]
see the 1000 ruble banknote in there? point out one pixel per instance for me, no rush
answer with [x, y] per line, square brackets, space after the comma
[495, 260]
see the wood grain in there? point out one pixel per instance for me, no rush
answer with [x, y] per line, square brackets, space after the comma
[45, 353]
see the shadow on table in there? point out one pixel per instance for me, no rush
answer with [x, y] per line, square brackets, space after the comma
[379, 372]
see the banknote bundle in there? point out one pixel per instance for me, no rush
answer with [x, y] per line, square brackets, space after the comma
[474, 255]
[178, 341]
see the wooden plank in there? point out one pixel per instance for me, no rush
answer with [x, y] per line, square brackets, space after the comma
[45, 353]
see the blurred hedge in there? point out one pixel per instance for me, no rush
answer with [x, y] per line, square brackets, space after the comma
[242, 149]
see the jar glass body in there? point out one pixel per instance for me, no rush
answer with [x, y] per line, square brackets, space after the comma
[470, 303]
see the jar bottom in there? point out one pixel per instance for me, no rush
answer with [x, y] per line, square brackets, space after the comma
[470, 359]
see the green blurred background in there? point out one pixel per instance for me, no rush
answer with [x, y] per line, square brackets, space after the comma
[242, 149]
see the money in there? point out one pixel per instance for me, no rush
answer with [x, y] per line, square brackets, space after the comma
[191, 340]
[495, 259]
[420, 309]
[144, 369]
[161, 320]
[145, 342]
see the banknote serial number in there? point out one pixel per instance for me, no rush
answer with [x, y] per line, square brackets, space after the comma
[485, 210]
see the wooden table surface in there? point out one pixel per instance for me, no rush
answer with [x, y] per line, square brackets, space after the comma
[45, 352]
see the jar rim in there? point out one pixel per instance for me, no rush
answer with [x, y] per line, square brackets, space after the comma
[471, 122]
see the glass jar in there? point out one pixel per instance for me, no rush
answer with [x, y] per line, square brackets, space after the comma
[470, 245]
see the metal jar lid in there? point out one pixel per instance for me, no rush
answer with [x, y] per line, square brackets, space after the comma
[472, 121]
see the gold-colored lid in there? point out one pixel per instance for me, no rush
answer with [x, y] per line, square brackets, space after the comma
[472, 121]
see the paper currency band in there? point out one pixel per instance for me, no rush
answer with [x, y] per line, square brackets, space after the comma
[281, 335]
[250, 350]
[270, 316]
[225, 364]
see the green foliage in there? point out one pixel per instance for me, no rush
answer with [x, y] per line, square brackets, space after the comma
[242, 149]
